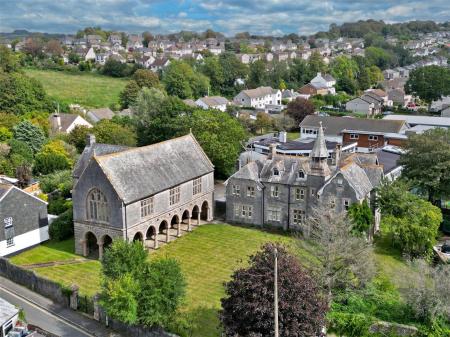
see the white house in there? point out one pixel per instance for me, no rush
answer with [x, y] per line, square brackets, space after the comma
[212, 102]
[258, 98]
[146, 61]
[361, 105]
[24, 220]
[324, 81]
[65, 123]
[90, 55]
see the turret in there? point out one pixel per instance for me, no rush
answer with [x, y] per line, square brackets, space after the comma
[319, 155]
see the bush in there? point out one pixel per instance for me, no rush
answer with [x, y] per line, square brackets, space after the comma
[62, 227]
[59, 180]
[59, 205]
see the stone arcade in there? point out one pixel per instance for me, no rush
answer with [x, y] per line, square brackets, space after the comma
[150, 193]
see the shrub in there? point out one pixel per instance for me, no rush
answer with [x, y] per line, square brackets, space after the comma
[62, 227]
[59, 205]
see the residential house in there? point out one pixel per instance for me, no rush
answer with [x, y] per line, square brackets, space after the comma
[145, 194]
[93, 41]
[363, 105]
[309, 90]
[96, 115]
[390, 74]
[324, 81]
[115, 39]
[101, 58]
[213, 102]
[159, 64]
[145, 61]
[65, 123]
[289, 95]
[134, 42]
[283, 191]
[398, 97]
[258, 98]
[89, 55]
[24, 220]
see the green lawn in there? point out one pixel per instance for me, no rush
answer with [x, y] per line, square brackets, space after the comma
[88, 90]
[293, 135]
[207, 256]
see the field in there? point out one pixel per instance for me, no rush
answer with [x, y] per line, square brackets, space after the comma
[207, 257]
[88, 90]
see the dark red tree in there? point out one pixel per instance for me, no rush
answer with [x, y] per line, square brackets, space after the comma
[248, 309]
[299, 108]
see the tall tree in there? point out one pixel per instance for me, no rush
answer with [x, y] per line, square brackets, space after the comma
[32, 135]
[344, 260]
[429, 83]
[248, 308]
[426, 162]
[299, 108]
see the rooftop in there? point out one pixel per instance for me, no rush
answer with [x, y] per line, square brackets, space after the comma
[7, 311]
[420, 120]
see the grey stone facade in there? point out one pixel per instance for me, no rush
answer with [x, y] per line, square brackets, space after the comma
[282, 191]
[141, 193]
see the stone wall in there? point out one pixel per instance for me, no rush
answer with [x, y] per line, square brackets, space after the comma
[29, 279]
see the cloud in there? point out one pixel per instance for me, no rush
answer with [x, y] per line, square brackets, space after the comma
[229, 16]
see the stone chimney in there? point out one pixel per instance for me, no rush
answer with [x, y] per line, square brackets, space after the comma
[282, 136]
[272, 151]
[90, 140]
[56, 122]
[337, 154]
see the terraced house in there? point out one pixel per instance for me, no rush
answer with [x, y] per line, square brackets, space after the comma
[282, 190]
[151, 194]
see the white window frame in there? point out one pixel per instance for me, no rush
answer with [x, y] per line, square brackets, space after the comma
[354, 136]
[174, 195]
[299, 193]
[299, 173]
[299, 216]
[9, 231]
[274, 215]
[373, 137]
[197, 186]
[346, 203]
[247, 211]
[251, 191]
[274, 191]
[236, 190]
[146, 207]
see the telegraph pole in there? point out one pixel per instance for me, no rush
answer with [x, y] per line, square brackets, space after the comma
[276, 292]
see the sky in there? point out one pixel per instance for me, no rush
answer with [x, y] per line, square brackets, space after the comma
[262, 17]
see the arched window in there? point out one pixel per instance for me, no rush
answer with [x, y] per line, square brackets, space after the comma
[97, 206]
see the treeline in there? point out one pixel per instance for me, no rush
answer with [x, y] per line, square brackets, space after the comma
[402, 30]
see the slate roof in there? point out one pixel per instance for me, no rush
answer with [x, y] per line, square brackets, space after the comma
[214, 100]
[4, 189]
[259, 92]
[358, 179]
[328, 78]
[292, 145]
[96, 149]
[388, 160]
[288, 166]
[66, 120]
[335, 125]
[102, 113]
[137, 173]
[319, 149]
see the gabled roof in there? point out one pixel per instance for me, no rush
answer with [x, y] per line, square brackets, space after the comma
[66, 120]
[95, 149]
[102, 113]
[7, 311]
[335, 125]
[259, 92]
[214, 100]
[140, 172]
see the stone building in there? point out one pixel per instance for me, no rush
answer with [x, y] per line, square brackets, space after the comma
[282, 190]
[149, 193]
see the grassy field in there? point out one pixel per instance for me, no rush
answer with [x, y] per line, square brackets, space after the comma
[207, 256]
[88, 90]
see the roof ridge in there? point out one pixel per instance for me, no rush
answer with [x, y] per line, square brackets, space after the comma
[139, 148]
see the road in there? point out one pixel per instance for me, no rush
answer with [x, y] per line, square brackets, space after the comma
[42, 318]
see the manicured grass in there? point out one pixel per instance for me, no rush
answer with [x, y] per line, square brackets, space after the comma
[293, 135]
[47, 252]
[85, 275]
[88, 90]
[208, 256]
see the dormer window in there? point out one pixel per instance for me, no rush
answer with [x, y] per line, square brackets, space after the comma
[276, 172]
[301, 174]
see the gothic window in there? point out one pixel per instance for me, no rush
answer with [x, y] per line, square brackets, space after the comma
[196, 186]
[97, 206]
[146, 207]
[174, 197]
